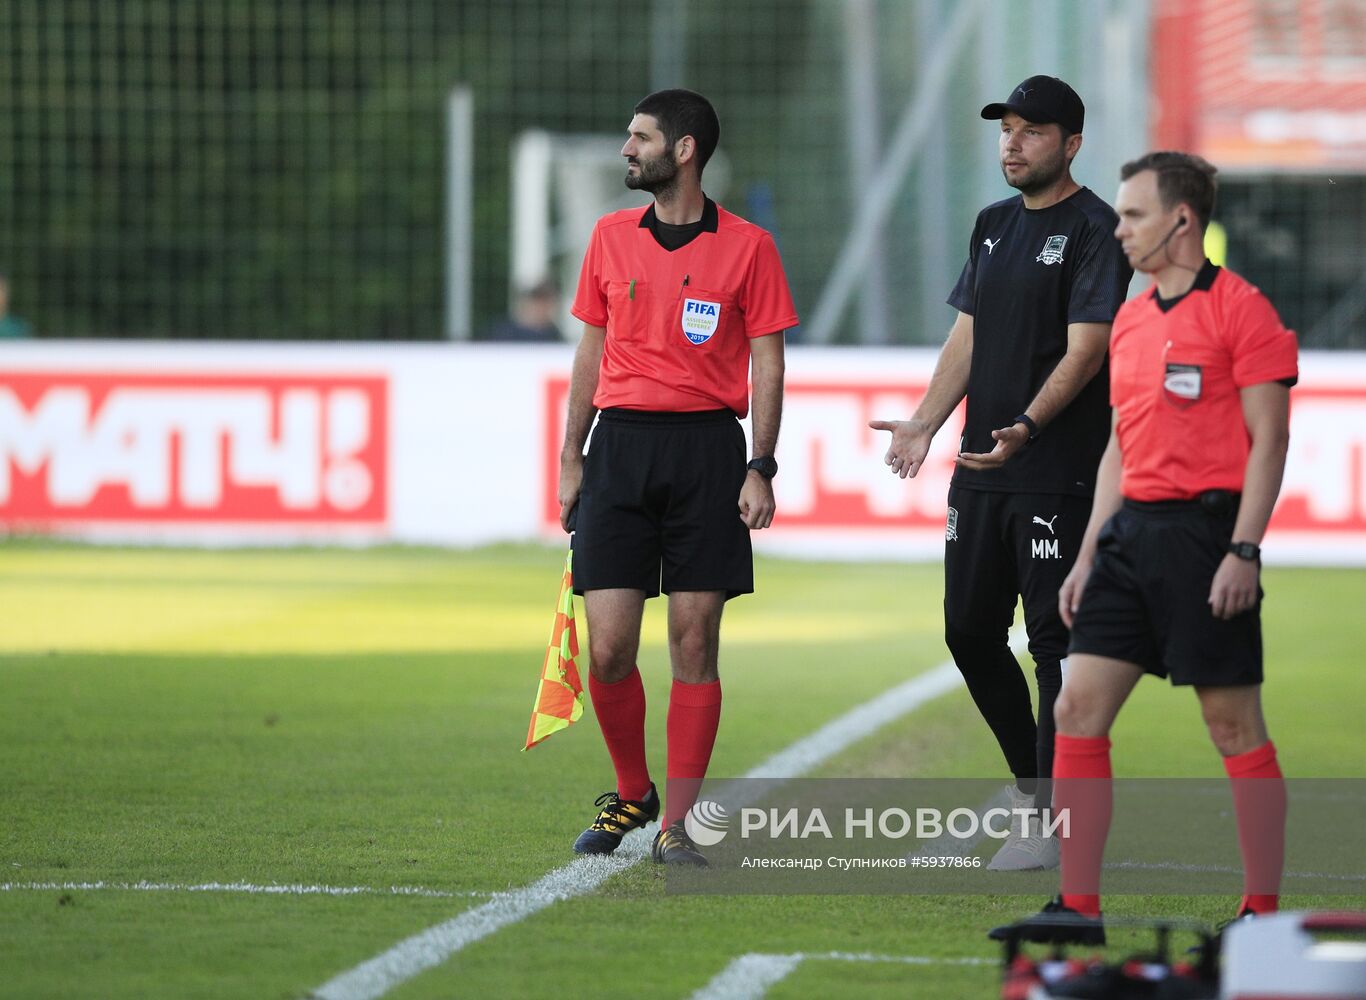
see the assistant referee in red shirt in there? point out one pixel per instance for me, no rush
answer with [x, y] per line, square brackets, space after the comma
[679, 301]
[1167, 579]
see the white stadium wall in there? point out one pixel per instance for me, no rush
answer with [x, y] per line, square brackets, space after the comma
[240, 444]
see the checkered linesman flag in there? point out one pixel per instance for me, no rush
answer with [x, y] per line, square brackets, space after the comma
[559, 699]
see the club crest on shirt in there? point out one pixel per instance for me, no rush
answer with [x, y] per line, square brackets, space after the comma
[1052, 250]
[700, 319]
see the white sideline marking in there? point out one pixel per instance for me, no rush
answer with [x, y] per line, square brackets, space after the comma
[750, 976]
[433, 946]
[861, 721]
[270, 890]
[375, 977]
[947, 844]
[1173, 866]
[855, 724]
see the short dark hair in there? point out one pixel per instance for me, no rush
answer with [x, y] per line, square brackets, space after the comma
[681, 112]
[1182, 178]
[1067, 133]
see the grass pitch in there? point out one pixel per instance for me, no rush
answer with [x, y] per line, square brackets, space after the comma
[352, 720]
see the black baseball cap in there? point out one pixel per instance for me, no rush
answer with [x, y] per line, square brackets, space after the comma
[1042, 99]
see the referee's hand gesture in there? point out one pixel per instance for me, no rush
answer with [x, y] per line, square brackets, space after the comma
[1235, 587]
[756, 501]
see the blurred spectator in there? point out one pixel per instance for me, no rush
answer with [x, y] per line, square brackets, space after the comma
[533, 317]
[11, 325]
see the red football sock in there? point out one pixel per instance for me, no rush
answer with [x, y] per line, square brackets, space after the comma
[1259, 803]
[1081, 785]
[621, 716]
[694, 714]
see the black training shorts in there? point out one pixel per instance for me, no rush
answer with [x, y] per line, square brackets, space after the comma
[661, 491]
[1147, 598]
[999, 545]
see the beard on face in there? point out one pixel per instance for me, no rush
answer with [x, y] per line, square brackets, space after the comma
[654, 175]
[1041, 175]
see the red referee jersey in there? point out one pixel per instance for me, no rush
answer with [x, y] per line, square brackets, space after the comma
[679, 322]
[1176, 368]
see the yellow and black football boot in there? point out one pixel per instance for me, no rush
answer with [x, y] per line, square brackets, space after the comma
[616, 818]
[673, 846]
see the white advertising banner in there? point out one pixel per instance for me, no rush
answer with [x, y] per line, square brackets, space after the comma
[223, 444]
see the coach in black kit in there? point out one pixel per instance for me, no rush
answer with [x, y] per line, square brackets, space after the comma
[1043, 280]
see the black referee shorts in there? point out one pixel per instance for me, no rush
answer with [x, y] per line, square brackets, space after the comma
[1147, 598]
[658, 509]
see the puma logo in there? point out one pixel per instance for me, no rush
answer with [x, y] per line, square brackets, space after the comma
[991, 245]
[1047, 524]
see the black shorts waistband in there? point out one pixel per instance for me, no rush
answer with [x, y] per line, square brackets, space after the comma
[691, 418]
[1222, 503]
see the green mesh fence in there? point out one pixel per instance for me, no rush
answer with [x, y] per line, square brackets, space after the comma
[277, 168]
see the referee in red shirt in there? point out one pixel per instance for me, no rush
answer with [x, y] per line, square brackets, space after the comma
[679, 301]
[1167, 579]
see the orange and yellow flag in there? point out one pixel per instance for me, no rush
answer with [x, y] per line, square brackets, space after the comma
[559, 699]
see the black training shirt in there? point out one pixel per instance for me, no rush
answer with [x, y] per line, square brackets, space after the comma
[1031, 272]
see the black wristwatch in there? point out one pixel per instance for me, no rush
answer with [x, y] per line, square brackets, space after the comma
[1030, 425]
[1246, 550]
[767, 466]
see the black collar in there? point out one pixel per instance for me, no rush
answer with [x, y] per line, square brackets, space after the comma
[710, 221]
[1204, 281]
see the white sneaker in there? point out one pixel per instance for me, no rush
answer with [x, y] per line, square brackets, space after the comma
[1026, 849]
